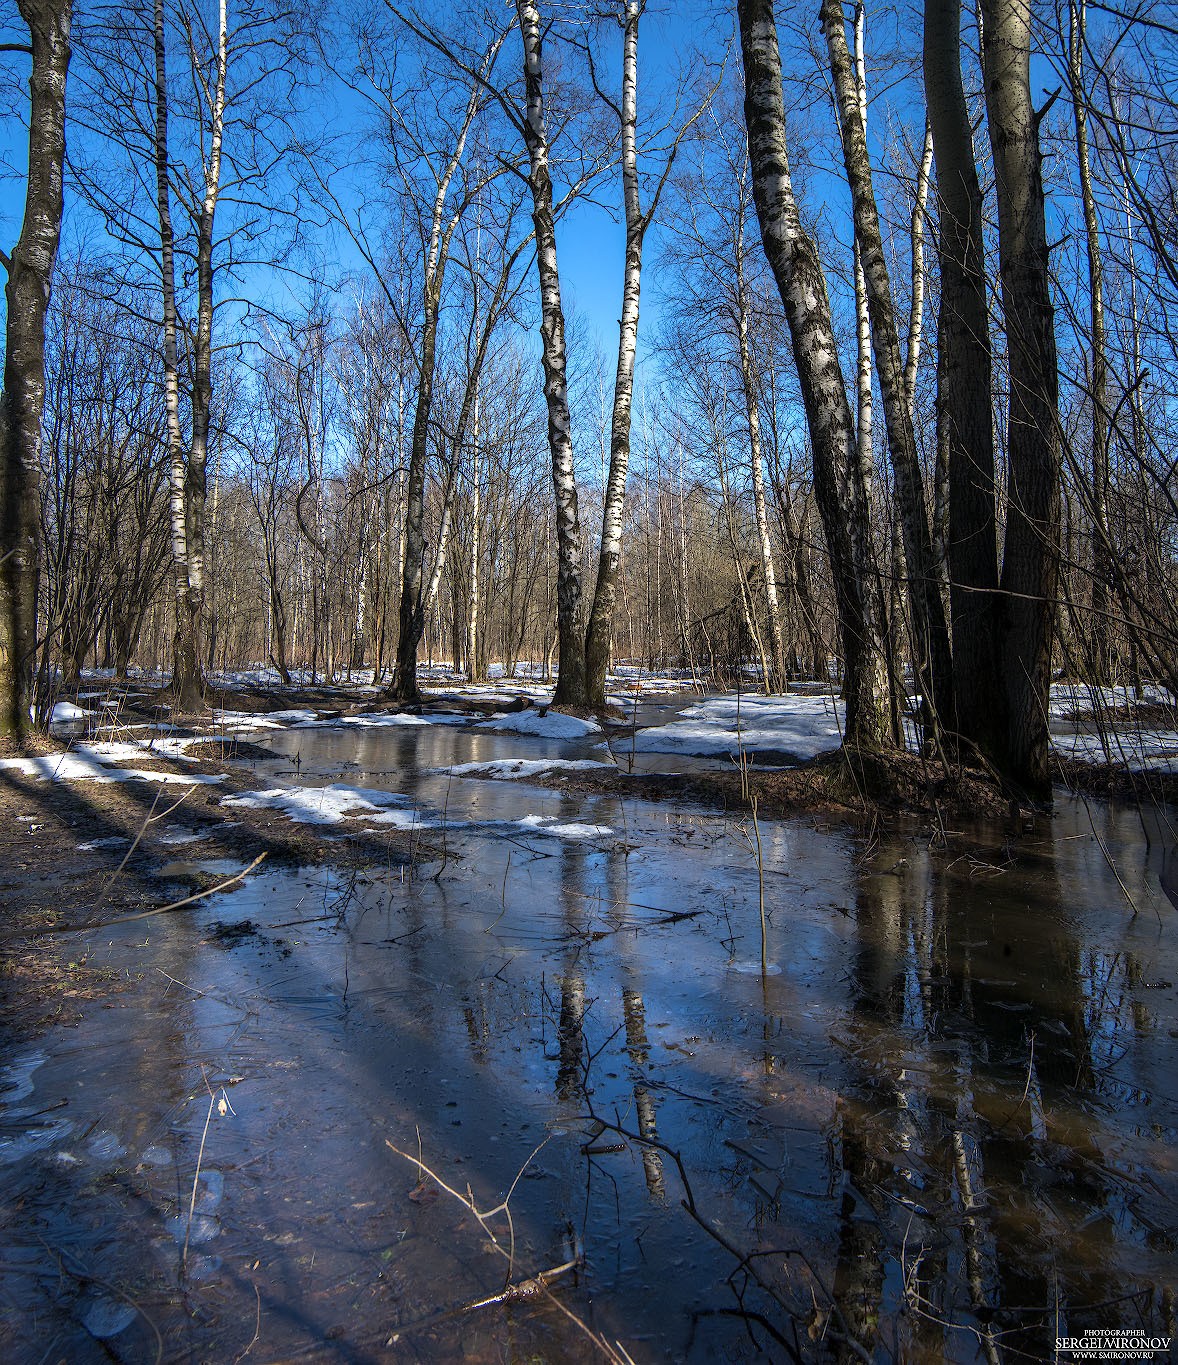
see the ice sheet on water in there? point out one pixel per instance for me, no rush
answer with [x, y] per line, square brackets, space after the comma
[16, 1079]
[106, 1318]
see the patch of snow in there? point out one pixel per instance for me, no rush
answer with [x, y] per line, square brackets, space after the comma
[331, 805]
[548, 824]
[1139, 750]
[802, 726]
[1068, 699]
[522, 767]
[65, 712]
[83, 765]
[551, 725]
[234, 721]
[115, 841]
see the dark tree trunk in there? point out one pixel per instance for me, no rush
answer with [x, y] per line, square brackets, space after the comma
[965, 430]
[30, 272]
[1030, 564]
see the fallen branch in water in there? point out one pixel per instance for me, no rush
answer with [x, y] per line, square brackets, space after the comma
[534, 1287]
[159, 910]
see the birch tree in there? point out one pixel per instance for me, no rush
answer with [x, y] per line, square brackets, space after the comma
[192, 109]
[838, 478]
[930, 632]
[1098, 386]
[29, 270]
[571, 682]
[638, 220]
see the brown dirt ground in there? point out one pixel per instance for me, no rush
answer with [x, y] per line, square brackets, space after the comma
[48, 885]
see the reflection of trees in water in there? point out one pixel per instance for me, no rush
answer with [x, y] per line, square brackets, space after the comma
[638, 1046]
[967, 1146]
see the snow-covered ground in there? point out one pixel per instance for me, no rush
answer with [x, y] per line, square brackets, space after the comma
[520, 769]
[371, 807]
[551, 725]
[1138, 750]
[85, 763]
[798, 725]
[1083, 699]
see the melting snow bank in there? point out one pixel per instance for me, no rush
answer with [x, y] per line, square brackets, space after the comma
[331, 805]
[802, 726]
[1083, 699]
[522, 767]
[334, 804]
[91, 764]
[380, 719]
[547, 824]
[551, 725]
[1139, 750]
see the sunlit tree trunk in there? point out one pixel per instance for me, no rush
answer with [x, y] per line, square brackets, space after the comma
[30, 273]
[838, 484]
[597, 640]
[930, 633]
[775, 677]
[571, 679]
[188, 467]
[1030, 564]
[413, 597]
[919, 273]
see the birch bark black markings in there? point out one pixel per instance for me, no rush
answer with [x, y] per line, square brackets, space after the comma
[30, 273]
[838, 483]
[930, 634]
[1031, 555]
[776, 676]
[965, 430]
[571, 677]
[597, 640]
[187, 483]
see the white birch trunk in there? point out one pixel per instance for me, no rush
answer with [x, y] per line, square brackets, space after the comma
[570, 686]
[838, 483]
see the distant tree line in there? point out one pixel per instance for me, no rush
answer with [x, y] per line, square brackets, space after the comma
[905, 423]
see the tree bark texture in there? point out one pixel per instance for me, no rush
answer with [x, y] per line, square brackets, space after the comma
[1100, 662]
[1031, 555]
[929, 630]
[571, 680]
[597, 640]
[30, 274]
[838, 483]
[965, 430]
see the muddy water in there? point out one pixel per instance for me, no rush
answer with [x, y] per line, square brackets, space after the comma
[940, 1127]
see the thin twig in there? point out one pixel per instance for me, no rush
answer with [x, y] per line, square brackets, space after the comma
[159, 910]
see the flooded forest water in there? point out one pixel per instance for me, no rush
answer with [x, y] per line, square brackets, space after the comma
[941, 1126]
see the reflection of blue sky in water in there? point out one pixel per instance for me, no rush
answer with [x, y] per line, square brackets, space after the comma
[947, 1034]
